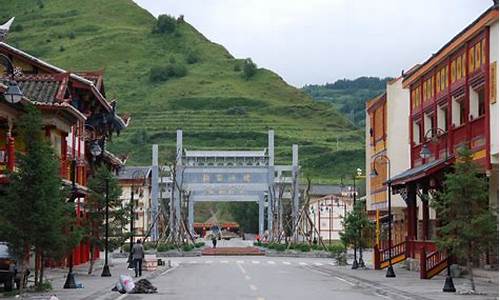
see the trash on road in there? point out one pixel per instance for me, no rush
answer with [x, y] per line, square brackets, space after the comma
[144, 286]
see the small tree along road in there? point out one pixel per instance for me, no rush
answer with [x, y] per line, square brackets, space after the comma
[468, 226]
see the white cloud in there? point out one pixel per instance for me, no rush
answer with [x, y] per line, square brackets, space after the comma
[315, 41]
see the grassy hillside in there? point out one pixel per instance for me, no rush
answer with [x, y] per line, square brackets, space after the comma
[214, 105]
[349, 96]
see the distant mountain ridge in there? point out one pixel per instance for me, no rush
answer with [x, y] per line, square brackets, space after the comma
[349, 96]
[180, 79]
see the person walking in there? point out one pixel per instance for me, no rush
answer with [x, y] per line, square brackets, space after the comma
[138, 256]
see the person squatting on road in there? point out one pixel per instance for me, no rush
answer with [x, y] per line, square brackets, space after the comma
[138, 256]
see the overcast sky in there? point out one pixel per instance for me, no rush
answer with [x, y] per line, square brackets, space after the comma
[318, 41]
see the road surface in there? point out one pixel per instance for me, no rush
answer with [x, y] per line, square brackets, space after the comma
[256, 278]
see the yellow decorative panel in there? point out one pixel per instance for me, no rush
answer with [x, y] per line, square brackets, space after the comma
[463, 65]
[477, 62]
[438, 82]
[483, 51]
[471, 60]
[453, 71]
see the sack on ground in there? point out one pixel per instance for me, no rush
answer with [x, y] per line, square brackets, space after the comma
[143, 286]
[127, 283]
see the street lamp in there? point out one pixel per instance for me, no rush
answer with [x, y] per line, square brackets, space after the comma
[70, 277]
[135, 176]
[105, 269]
[390, 270]
[13, 93]
[425, 152]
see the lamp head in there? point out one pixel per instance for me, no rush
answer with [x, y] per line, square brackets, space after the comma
[13, 94]
[359, 171]
[95, 149]
[425, 152]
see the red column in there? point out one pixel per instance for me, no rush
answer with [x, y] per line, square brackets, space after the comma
[412, 211]
[11, 153]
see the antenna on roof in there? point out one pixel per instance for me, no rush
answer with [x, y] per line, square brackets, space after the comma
[4, 29]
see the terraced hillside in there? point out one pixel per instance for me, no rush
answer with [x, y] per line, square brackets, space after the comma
[215, 106]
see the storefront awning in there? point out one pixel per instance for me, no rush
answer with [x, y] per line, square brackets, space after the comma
[419, 172]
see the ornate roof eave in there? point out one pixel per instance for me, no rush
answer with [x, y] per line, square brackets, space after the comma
[53, 68]
[63, 106]
[113, 159]
[485, 19]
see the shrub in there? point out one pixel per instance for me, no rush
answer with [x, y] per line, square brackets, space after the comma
[61, 49]
[236, 110]
[187, 247]
[17, 28]
[171, 59]
[165, 24]
[71, 35]
[237, 67]
[338, 253]
[192, 58]
[199, 244]
[149, 245]
[126, 247]
[163, 247]
[249, 68]
[159, 74]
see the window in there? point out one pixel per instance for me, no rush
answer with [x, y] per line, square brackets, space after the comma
[458, 111]
[416, 132]
[428, 122]
[442, 117]
[476, 102]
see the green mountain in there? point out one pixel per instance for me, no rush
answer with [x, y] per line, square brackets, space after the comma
[349, 96]
[179, 79]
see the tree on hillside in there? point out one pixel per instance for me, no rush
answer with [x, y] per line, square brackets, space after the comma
[249, 68]
[96, 209]
[467, 225]
[34, 212]
[165, 24]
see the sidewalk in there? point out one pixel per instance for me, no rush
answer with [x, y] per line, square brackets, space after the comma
[408, 285]
[94, 286]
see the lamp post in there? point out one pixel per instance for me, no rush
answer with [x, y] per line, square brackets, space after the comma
[70, 277]
[390, 270]
[105, 269]
[13, 94]
[135, 175]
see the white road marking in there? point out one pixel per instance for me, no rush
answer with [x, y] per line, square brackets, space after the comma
[240, 262]
[271, 262]
[346, 281]
[193, 262]
[260, 298]
[121, 297]
[241, 268]
[223, 261]
[209, 262]
[255, 262]
[247, 277]
[286, 263]
[252, 287]
[302, 264]
[332, 263]
[318, 264]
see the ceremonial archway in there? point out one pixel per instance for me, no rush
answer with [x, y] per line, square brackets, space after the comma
[238, 176]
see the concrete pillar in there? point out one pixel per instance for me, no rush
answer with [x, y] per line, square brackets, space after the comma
[191, 215]
[154, 193]
[177, 198]
[270, 149]
[270, 209]
[261, 215]
[295, 184]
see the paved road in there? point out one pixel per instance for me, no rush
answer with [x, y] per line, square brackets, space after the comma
[253, 278]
